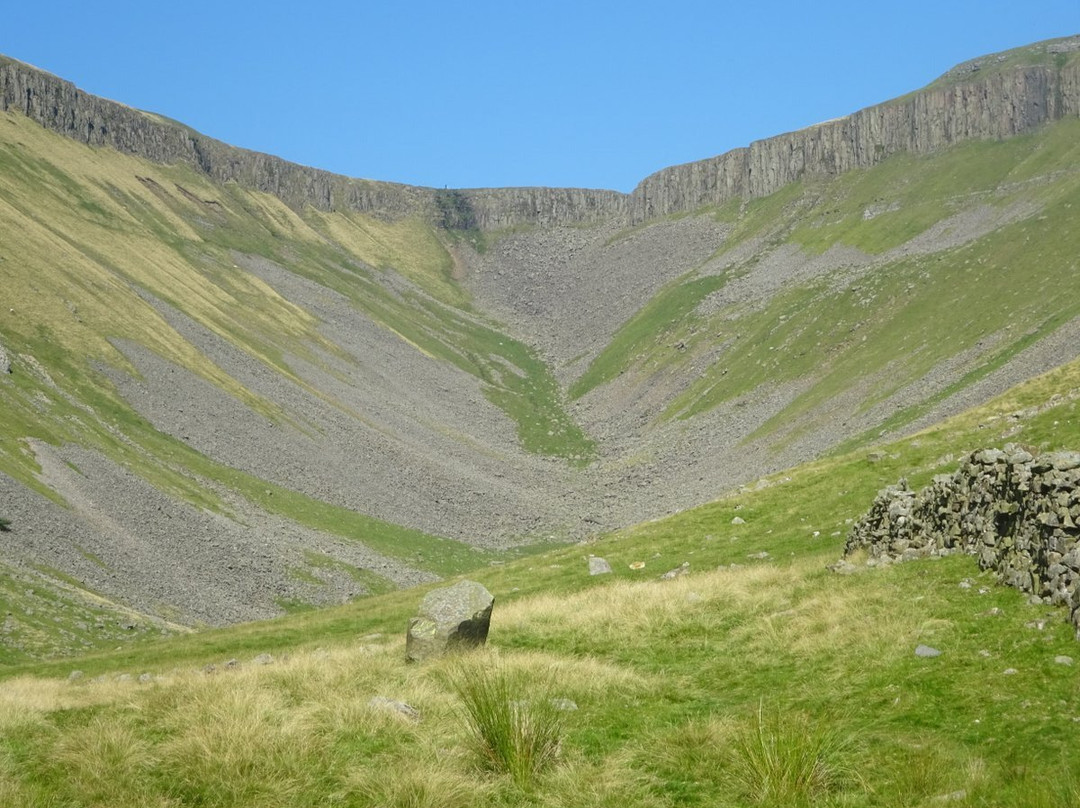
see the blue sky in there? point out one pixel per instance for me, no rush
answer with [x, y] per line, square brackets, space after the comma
[474, 94]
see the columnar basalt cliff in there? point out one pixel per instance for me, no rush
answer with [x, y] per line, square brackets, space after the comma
[983, 106]
[991, 104]
[1018, 513]
[61, 107]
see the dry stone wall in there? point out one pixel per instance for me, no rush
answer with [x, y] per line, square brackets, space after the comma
[1018, 513]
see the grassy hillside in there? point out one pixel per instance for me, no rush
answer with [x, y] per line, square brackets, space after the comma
[95, 247]
[966, 256]
[88, 234]
[693, 691]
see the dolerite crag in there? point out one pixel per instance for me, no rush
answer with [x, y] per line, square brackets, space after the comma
[1017, 512]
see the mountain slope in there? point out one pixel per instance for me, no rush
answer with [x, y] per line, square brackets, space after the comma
[240, 386]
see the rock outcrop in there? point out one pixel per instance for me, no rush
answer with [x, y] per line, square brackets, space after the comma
[1018, 513]
[964, 105]
[967, 103]
[450, 618]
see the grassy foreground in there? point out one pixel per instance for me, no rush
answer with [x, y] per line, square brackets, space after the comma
[758, 678]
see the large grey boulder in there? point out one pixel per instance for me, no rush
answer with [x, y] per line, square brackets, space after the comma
[451, 618]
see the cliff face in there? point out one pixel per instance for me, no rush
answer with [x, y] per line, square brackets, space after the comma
[992, 106]
[969, 105]
[60, 106]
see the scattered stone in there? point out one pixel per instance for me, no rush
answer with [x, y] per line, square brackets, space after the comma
[1061, 659]
[232, 663]
[637, 565]
[738, 520]
[384, 704]
[566, 705]
[965, 584]
[682, 569]
[1010, 672]
[598, 566]
[843, 567]
[263, 659]
[124, 677]
[1038, 625]
[451, 618]
[954, 796]
[984, 653]
[75, 676]
[760, 556]
[145, 678]
[926, 652]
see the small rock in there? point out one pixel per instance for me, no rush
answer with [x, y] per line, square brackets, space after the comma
[760, 556]
[598, 566]
[738, 520]
[232, 663]
[146, 677]
[953, 796]
[965, 584]
[682, 569]
[843, 567]
[124, 677]
[637, 565]
[1010, 672]
[984, 653]
[263, 659]
[406, 711]
[1063, 660]
[75, 675]
[566, 705]
[925, 651]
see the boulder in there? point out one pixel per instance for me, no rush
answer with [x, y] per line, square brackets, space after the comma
[598, 566]
[449, 619]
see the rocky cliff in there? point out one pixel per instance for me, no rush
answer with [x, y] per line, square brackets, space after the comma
[969, 102]
[60, 106]
[1042, 84]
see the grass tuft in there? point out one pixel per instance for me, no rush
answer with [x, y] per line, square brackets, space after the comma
[516, 727]
[788, 758]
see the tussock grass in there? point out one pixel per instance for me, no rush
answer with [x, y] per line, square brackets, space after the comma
[515, 724]
[785, 757]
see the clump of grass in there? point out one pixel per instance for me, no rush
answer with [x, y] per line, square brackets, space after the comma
[5, 525]
[515, 724]
[787, 758]
[428, 786]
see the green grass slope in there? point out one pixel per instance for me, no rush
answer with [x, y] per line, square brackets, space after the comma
[932, 284]
[89, 237]
[756, 678]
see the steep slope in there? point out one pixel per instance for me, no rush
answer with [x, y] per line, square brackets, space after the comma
[240, 386]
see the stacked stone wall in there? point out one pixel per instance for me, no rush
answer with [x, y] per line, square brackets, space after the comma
[1018, 513]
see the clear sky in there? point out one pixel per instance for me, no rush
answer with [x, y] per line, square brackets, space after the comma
[479, 93]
